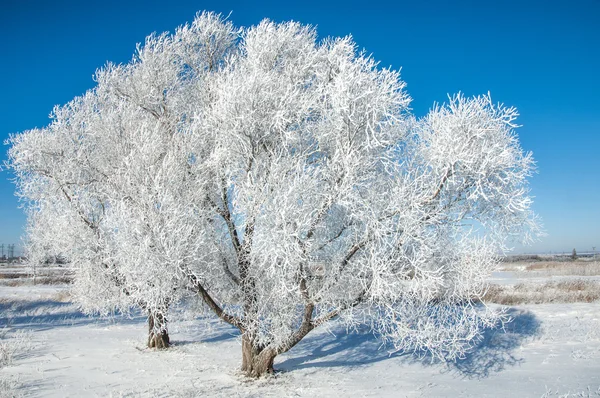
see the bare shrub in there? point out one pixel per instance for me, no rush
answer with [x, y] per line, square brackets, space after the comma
[9, 387]
[19, 343]
[500, 295]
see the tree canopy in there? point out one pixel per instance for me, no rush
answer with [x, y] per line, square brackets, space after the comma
[282, 180]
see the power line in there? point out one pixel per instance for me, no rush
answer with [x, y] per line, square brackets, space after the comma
[9, 253]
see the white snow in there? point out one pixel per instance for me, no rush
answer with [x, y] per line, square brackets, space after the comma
[548, 350]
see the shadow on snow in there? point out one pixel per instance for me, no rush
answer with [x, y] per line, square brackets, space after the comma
[41, 315]
[495, 351]
[491, 354]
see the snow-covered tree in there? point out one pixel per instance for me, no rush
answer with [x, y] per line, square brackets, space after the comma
[284, 180]
[107, 180]
[72, 185]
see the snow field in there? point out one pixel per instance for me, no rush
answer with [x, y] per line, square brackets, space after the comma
[548, 350]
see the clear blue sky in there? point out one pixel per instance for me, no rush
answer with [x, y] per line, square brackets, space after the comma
[541, 56]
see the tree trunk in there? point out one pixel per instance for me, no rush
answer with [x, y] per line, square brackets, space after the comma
[256, 362]
[158, 337]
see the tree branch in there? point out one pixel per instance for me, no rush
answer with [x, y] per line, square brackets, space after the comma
[305, 327]
[212, 304]
[228, 272]
[334, 313]
[447, 175]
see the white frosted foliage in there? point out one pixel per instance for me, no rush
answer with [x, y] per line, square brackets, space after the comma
[283, 181]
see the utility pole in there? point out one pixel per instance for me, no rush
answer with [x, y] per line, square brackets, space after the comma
[11, 251]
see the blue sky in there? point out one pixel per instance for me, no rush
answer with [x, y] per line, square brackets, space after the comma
[541, 56]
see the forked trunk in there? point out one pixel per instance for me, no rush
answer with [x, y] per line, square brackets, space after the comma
[256, 362]
[158, 336]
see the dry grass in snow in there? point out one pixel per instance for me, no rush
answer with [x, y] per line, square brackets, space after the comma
[23, 276]
[563, 268]
[570, 291]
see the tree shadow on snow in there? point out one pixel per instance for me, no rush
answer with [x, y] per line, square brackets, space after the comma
[337, 348]
[496, 349]
[38, 315]
[491, 354]
[211, 338]
[204, 329]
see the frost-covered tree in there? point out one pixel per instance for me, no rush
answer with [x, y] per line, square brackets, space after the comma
[335, 202]
[285, 182]
[72, 186]
[107, 181]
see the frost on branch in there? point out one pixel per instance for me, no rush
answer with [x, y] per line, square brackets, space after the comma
[283, 181]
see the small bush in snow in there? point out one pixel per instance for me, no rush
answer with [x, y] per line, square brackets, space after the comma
[14, 345]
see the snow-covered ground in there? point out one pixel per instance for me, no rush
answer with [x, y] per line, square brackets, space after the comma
[548, 350]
